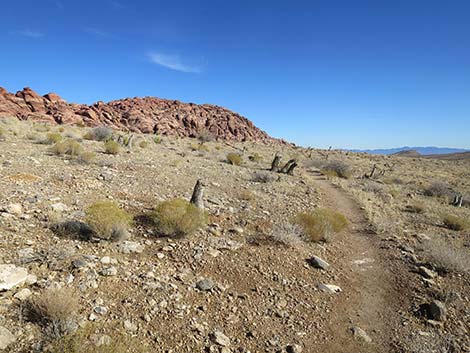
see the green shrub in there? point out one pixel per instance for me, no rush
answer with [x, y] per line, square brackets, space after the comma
[67, 147]
[336, 169]
[318, 224]
[157, 139]
[234, 159]
[108, 221]
[111, 147]
[52, 138]
[143, 144]
[178, 217]
[455, 223]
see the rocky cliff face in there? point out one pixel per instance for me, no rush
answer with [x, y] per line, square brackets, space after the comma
[147, 115]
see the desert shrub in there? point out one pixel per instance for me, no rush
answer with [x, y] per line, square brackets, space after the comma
[287, 234]
[455, 223]
[446, 257]
[178, 217]
[143, 144]
[255, 157]
[373, 187]
[86, 157]
[157, 139]
[72, 229]
[336, 169]
[416, 207]
[55, 308]
[318, 224]
[199, 147]
[108, 220]
[234, 159]
[52, 138]
[101, 133]
[439, 189]
[263, 177]
[33, 136]
[314, 163]
[205, 136]
[393, 180]
[111, 147]
[246, 195]
[67, 147]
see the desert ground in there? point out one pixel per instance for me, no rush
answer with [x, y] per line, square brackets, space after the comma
[250, 279]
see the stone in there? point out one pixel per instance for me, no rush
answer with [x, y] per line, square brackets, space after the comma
[329, 288]
[14, 209]
[318, 262]
[11, 276]
[205, 284]
[130, 326]
[437, 310]
[101, 310]
[80, 263]
[294, 348]
[426, 273]
[129, 247]
[109, 271]
[219, 338]
[23, 294]
[6, 338]
[360, 334]
[59, 207]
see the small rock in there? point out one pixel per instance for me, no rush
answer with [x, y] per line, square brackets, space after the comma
[219, 338]
[23, 294]
[329, 288]
[427, 273]
[106, 260]
[129, 326]
[361, 334]
[101, 310]
[109, 271]
[205, 284]
[6, 338]
[14, 208]
[437, 310]
[129, 247]
[294, 348]
[11, 276]
[318, 262]
[59, 207]
[80, 263]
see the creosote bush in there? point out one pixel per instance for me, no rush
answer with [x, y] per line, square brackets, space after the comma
[52, 138]
[67, 147]
[263, 177]
[199, 147]
[455, 223]
[111, 147]
[108, 220]
[178, 218]
[234, 159]
[157, 139]
[101, 133]
[55, 308]
[336, 169]
[318, 224]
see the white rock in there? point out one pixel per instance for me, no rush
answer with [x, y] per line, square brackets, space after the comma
[319, 262]
[23, 294]
[361, 334]
[14, 208]
[11, 276]
[129, 326]
[59, 207]
[128, 247]
[329, 288]
[109, 271]
[219, 338]
[6, 338]
[105, 260]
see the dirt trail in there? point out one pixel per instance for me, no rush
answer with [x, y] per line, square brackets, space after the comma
[369, 299]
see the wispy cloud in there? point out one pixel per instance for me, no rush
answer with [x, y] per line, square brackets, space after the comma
[30, 34]
[172, 62]
[97, 32]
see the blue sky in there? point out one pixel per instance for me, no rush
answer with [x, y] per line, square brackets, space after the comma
[351, 74]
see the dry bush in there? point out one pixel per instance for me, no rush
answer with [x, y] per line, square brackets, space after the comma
[86, 157]
[101, 133]
[314, 163]
[373, 187]
[246, 195]
[318, 224]
[446, 257]
[255, 157]
[199, 147]
[67, 147]
[143, 144]
[439, 189]
[205, 136]
[55, 308]
[111, 147]
[287, 234]
[157, 139]
[455, 223]
[234, 159]
[178, 218]
[52, 138]
[263, 177]
[416, 207]
[336, 169]
[108, 220]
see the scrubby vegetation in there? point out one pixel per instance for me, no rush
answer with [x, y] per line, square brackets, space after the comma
[287, 234]
[439, 189]
[111, 147]
[263, 177]
[108, 220]
[52, 138]
[336, 169]
[318, 224]
[178, 218]
[67, 147]
[234, 159]
[101, 133]
[455, 222]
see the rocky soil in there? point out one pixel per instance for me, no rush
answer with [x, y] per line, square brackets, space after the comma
[229, 287]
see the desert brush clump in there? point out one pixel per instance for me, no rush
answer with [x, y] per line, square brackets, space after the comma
[108, 220]
[67, 147]
[234, 159]
[416, 207]
[439, 189]
[455, 222]
[52, 138]
[101, 133]
[86, 157]
[3, 133]
[55, 308]
[178, 218]
[143, 144]
[255, 157]
[286, 234]
[336, 169]
[157, 139]
[263, 177]
[445, 257]
[318, 224]
[199, 147]
[111, 147]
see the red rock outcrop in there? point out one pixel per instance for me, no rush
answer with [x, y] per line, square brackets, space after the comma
[147, 115]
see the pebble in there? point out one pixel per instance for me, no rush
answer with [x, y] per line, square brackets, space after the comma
[129, 247]
[23, 294]
[205, 284]
[109, 271]
[361, 334]
[219, 338]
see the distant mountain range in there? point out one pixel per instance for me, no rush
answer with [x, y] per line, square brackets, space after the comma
[421, 150]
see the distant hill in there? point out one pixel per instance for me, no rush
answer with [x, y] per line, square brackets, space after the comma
[408, 153]
[450, 156]
[420, 150]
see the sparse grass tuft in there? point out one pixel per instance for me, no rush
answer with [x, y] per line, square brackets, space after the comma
[318, 224]
[55, 308]
[199, 147]
[416, 207]
[234, 159]
[157, 139]
[446, 257]
[143, 144]
[2, 133]
[67, 147]
[336, 169]
[255, 157]
[178, 218]
[52, 138]
[111, 147]
[455, 223]
[108, 220]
